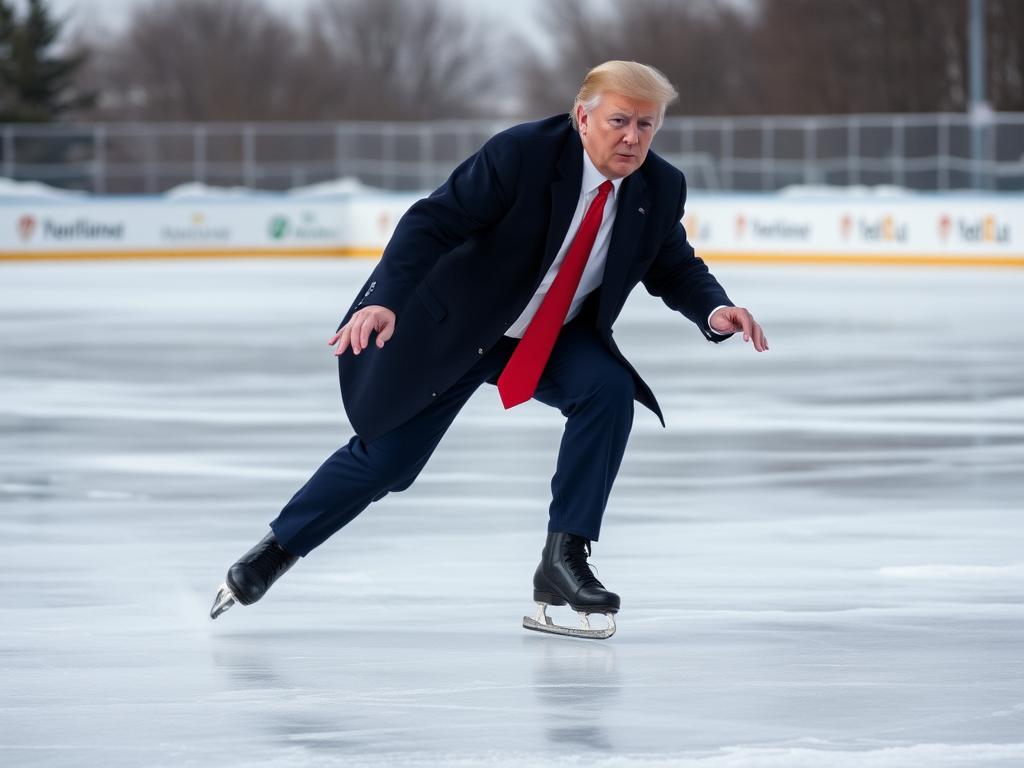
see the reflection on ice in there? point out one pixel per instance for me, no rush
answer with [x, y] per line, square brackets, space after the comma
[580, 681]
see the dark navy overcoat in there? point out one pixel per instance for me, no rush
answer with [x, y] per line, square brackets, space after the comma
[464, 262]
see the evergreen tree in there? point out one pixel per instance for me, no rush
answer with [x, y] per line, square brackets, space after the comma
[35, 84]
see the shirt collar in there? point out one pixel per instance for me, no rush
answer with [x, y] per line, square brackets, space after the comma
[593, 178]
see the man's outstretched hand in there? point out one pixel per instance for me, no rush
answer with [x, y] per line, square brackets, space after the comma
[356, 332]
[736, 319]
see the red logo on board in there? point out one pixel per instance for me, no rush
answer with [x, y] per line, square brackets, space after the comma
[846, 226]
[741, 226]
[26, 226]
[945, 223]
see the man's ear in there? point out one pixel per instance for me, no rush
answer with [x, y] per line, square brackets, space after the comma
[581, 118]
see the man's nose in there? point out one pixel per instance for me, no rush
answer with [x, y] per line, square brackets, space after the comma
[631, 136]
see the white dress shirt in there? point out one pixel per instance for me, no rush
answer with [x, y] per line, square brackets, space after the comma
[593, 272]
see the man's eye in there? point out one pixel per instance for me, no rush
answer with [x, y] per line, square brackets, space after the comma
[617, 121]
[645, 124]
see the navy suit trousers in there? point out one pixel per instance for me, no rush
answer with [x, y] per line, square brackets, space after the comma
[592, 389]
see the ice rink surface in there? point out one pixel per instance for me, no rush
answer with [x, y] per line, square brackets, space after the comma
[821, 559]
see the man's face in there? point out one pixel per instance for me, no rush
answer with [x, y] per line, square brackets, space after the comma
[617, 133]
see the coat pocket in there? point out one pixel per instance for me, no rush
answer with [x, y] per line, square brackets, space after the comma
[434, 306]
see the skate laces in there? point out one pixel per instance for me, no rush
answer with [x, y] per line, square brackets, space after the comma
[576, 556]
[271, 562]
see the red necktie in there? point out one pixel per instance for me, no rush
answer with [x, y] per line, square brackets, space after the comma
[518, 381]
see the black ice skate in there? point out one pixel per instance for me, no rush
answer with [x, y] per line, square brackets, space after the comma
[249, 579]
[564, 576]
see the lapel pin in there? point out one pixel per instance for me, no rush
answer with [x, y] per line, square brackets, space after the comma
[641, 210]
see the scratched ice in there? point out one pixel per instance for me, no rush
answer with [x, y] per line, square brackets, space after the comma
[821, 560]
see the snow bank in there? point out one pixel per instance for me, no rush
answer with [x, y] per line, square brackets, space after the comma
[10, 188]
[856, 190]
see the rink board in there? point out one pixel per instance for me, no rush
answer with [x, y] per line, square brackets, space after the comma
[960, 230]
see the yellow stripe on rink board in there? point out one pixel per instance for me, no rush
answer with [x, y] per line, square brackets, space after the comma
[141, 254]
[746, 257]
[881, 259]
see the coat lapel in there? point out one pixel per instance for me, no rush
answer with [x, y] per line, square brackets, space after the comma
[565, 194]
[631, 215]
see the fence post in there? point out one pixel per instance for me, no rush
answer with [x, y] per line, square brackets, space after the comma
[725, 139]
[898, 128]
[339, 140]
[942, 177]
[9, 151]
[989, 173]
[99, 159]
[248, 157]
[427, 156]
[199, 152]
[151, 163]
[853, 151]
[810, 151]
[387, 140]
[767, 150]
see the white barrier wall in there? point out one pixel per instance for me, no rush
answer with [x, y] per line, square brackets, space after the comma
[924, 229]
[932, 228]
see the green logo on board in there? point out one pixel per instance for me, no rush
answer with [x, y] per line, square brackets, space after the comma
[278, 227]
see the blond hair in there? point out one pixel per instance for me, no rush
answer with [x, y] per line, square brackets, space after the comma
[630, 78]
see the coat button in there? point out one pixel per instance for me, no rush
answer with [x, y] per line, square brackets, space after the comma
[433, 394]
[480, 351]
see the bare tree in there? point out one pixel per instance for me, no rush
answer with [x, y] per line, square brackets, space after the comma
[199, 60]
[397, 60]
[861, 55]
[1005, 25]
[702, 46]
[788, 56]
[422, 59]
[883, 55]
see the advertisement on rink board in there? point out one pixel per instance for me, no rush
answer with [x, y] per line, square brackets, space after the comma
[927, 228]
[112, 227]
[955, 229]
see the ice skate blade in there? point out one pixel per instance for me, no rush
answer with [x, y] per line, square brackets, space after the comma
[225, 599]
[541, 622]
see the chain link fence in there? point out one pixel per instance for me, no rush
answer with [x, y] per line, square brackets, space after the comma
[925, 152]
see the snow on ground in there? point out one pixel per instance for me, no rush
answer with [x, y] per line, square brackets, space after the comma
[820, 559]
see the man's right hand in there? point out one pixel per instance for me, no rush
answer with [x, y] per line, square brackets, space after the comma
[356, 332]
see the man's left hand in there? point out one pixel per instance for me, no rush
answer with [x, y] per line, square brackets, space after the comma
[736, 319]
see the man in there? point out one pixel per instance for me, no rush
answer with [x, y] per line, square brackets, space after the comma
[512, 273]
